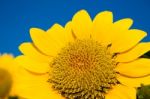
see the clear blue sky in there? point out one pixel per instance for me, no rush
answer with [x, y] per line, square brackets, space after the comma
[18, 16]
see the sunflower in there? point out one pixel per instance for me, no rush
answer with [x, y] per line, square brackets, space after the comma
[86, 59]
[7, 76]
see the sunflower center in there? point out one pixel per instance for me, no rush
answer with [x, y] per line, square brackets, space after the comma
[83, 70]
[5, 83]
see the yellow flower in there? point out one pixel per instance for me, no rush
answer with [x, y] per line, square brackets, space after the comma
[7, 76]
[86, 59]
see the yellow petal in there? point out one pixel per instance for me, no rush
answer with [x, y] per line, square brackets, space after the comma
[68, 31]
[133, 82]
[112, 96]
[121, 92]
[110, 31]
[137, 68]
[29, 50]
[101, 27]
[57, 34]
[82, 24]
[134, 53]
[127, 40]
[123, 24]
[44, 42]
[119, 27]
[32, 86]
[31, 65]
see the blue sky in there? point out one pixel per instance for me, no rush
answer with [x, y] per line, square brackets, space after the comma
[18, 16]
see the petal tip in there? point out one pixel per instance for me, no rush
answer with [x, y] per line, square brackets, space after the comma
[54, 26]
[80, 13]
[130, 20]
[35, 29]
[23, 45]
[32, 29]
[106, 12]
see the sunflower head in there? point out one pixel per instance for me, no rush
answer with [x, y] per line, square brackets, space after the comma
[79, 61]
[87, 59]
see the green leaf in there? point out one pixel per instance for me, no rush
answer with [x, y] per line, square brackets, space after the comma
[13, 97]
[143, 92]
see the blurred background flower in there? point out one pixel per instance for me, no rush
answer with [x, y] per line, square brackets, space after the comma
[8, 75]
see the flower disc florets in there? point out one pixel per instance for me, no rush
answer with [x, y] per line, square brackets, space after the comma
[83, 70]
